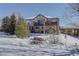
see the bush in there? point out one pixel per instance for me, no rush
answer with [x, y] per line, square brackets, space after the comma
[54, 39]
[36, 40]
[22, 29]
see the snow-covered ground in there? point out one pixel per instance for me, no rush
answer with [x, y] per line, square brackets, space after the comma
[66, 45]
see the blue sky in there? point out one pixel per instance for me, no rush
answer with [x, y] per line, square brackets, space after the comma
[28, 10]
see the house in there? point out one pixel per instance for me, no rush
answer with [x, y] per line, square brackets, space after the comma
[43, 24]
[70, 30]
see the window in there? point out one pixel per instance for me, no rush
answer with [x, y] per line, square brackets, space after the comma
[39, 21]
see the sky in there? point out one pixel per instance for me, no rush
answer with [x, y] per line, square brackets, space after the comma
[30, 9]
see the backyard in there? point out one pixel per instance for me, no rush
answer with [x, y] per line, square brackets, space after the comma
[10, 45]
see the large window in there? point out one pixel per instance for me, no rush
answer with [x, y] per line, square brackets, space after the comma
[39, 21]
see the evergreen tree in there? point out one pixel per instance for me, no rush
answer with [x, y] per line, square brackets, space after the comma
[12, 22]
[22, 29]
[5, 24]
[8, 24]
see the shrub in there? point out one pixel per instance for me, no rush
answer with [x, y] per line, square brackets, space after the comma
[22, 29]
[36, 40]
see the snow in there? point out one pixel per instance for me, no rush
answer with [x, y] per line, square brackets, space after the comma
[12, 46]
[69, 40]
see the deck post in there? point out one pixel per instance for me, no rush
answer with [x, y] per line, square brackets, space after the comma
[44, 26]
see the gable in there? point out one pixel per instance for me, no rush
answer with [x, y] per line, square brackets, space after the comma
[41, 17]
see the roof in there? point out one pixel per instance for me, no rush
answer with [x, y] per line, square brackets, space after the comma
[31, 17]
[48, 17]
[39, 15]
[70, 27]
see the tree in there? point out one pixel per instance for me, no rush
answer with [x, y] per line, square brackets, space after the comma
[5, 24]
[12, 22]
[75, 13]
[72, 12]
[8, 24]
[22, 28]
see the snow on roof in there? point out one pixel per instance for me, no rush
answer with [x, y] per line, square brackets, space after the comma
[41, 15]
[69, 26]
[31, 17]
[48, 16]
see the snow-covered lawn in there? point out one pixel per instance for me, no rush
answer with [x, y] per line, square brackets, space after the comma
[66, 46]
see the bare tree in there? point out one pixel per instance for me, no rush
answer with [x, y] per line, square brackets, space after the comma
[72, 12]
[75, 7]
